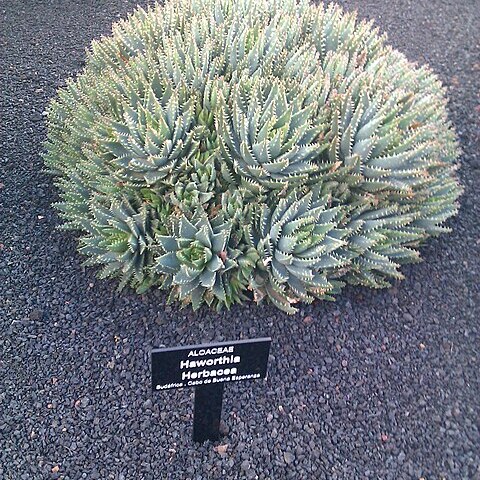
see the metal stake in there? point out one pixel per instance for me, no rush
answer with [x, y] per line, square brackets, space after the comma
[207, 412]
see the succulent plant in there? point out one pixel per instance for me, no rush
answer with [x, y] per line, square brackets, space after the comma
[300, 247]
[194, 258]
[271, 139]
[119, 238]
[228, 150]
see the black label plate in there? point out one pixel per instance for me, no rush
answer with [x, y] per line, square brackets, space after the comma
[209, 364]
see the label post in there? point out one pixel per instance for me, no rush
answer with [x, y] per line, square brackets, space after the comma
[208, 367]
[207, 412]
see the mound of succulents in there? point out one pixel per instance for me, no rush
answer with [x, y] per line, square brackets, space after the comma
[244, 149]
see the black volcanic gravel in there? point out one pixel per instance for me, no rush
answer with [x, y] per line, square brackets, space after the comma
[379, 385]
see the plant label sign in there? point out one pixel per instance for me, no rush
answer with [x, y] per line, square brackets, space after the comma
[213, 363]
[207, 368]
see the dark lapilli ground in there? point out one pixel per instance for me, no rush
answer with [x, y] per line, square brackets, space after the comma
[380, 384]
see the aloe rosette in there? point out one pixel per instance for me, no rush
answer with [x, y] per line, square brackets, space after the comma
[195, 258]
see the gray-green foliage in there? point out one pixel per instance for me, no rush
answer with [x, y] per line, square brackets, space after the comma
[252, 148]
